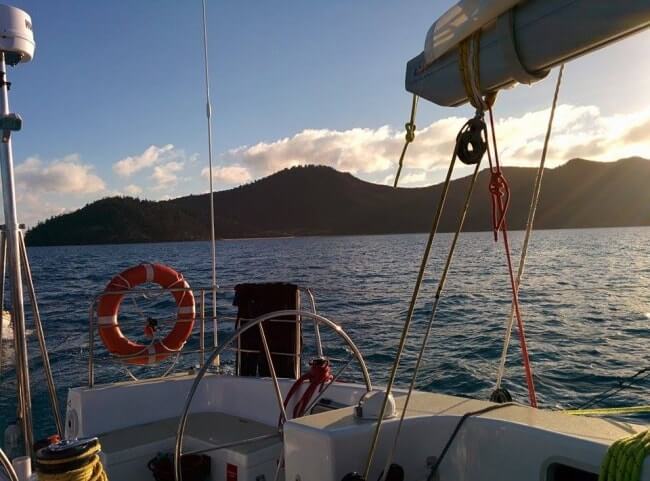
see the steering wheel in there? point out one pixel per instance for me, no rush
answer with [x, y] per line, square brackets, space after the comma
[300, 316]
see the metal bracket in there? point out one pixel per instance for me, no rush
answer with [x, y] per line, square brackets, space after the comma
[10, 123]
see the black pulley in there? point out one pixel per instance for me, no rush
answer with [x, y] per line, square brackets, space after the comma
[500, 396]
[472, 141]
[353, 477]
[395, 473]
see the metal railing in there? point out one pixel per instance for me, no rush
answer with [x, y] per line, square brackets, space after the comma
[201, 317]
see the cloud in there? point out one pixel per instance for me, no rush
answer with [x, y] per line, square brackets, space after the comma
[579, 131]
[231, 174]
[63, 176]
[165, 175]
[132, 189]
[359, 150]
[151, 156]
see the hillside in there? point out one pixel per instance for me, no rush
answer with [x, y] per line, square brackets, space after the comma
[322, 201]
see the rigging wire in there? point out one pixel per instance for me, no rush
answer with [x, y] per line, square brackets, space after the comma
[441, 285]
[529, 228]
[411, 309]
[623, 384]
[208, 112]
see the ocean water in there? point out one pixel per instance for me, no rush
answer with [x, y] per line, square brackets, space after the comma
[585, 302]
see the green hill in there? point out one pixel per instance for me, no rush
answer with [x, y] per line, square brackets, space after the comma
[317, 200]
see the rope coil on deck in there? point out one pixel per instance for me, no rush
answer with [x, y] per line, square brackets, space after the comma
[71, 461]
[625, 457]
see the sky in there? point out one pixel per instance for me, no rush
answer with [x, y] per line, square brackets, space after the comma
[113, 102]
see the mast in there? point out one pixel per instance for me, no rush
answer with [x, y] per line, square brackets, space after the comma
[12, 234]
[208, 112]
[16, 46]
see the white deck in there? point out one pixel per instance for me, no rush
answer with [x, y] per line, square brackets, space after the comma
[511, 443]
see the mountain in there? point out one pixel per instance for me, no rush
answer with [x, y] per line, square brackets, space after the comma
[317, 200]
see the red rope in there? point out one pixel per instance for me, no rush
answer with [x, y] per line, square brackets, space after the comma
[318, 375]
[500, 193]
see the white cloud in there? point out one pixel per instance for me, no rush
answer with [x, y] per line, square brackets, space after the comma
[33, 208]
[358, 150]
[150, 157]
[64, 176]
[231, 174]
[165, 175]
[133, 189]
[579, 131]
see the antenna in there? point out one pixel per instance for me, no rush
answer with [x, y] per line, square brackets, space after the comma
[16, 47]
[213, 241]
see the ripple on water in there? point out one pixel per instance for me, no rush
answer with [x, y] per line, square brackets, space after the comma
[585, 316]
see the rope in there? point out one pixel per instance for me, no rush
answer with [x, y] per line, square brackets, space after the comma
[470, 72]
[625, 457]
[441, 284]
[499, 190]
[621, 411]
[408, 138]
[411, 309]
[93, 471]
[534, 201]
[318, 376]
[434, 468]
[622, 385]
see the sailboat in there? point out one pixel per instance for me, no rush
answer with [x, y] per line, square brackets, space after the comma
[278, 414]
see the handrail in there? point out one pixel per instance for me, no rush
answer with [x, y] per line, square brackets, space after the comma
[300, 315]
[9, 469]
[200, 316]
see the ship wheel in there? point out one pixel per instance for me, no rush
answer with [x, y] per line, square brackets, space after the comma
[301, 316]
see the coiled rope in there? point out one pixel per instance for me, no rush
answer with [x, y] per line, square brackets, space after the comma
[625, 457]
[529, 228]
[90, 469]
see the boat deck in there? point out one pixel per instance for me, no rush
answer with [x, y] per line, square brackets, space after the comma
[432, 404]
[127, 451]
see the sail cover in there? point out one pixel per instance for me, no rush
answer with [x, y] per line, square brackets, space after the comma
[459, 22]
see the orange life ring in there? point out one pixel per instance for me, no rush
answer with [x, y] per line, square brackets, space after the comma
[109, 306]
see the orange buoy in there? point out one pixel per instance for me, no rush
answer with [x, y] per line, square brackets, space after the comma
[109, 306]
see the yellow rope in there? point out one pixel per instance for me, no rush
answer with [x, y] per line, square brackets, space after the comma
[93, 471]
[609, 411]
[625, 457]
[472, 79]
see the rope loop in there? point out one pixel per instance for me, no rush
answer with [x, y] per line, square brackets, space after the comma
[408, 138]
[500, 194]
[410, 132]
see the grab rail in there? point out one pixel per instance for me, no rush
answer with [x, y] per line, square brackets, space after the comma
[200, 316]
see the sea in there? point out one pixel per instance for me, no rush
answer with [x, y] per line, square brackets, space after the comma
[585, 303]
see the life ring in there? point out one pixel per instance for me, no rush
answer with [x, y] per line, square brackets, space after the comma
[109, 306]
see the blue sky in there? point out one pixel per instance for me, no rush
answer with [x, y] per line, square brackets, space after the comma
[113, 102]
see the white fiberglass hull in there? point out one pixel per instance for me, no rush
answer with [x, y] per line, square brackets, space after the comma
[137, 420]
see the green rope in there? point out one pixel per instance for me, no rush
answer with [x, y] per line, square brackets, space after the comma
[622, 411]
[624, 458]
